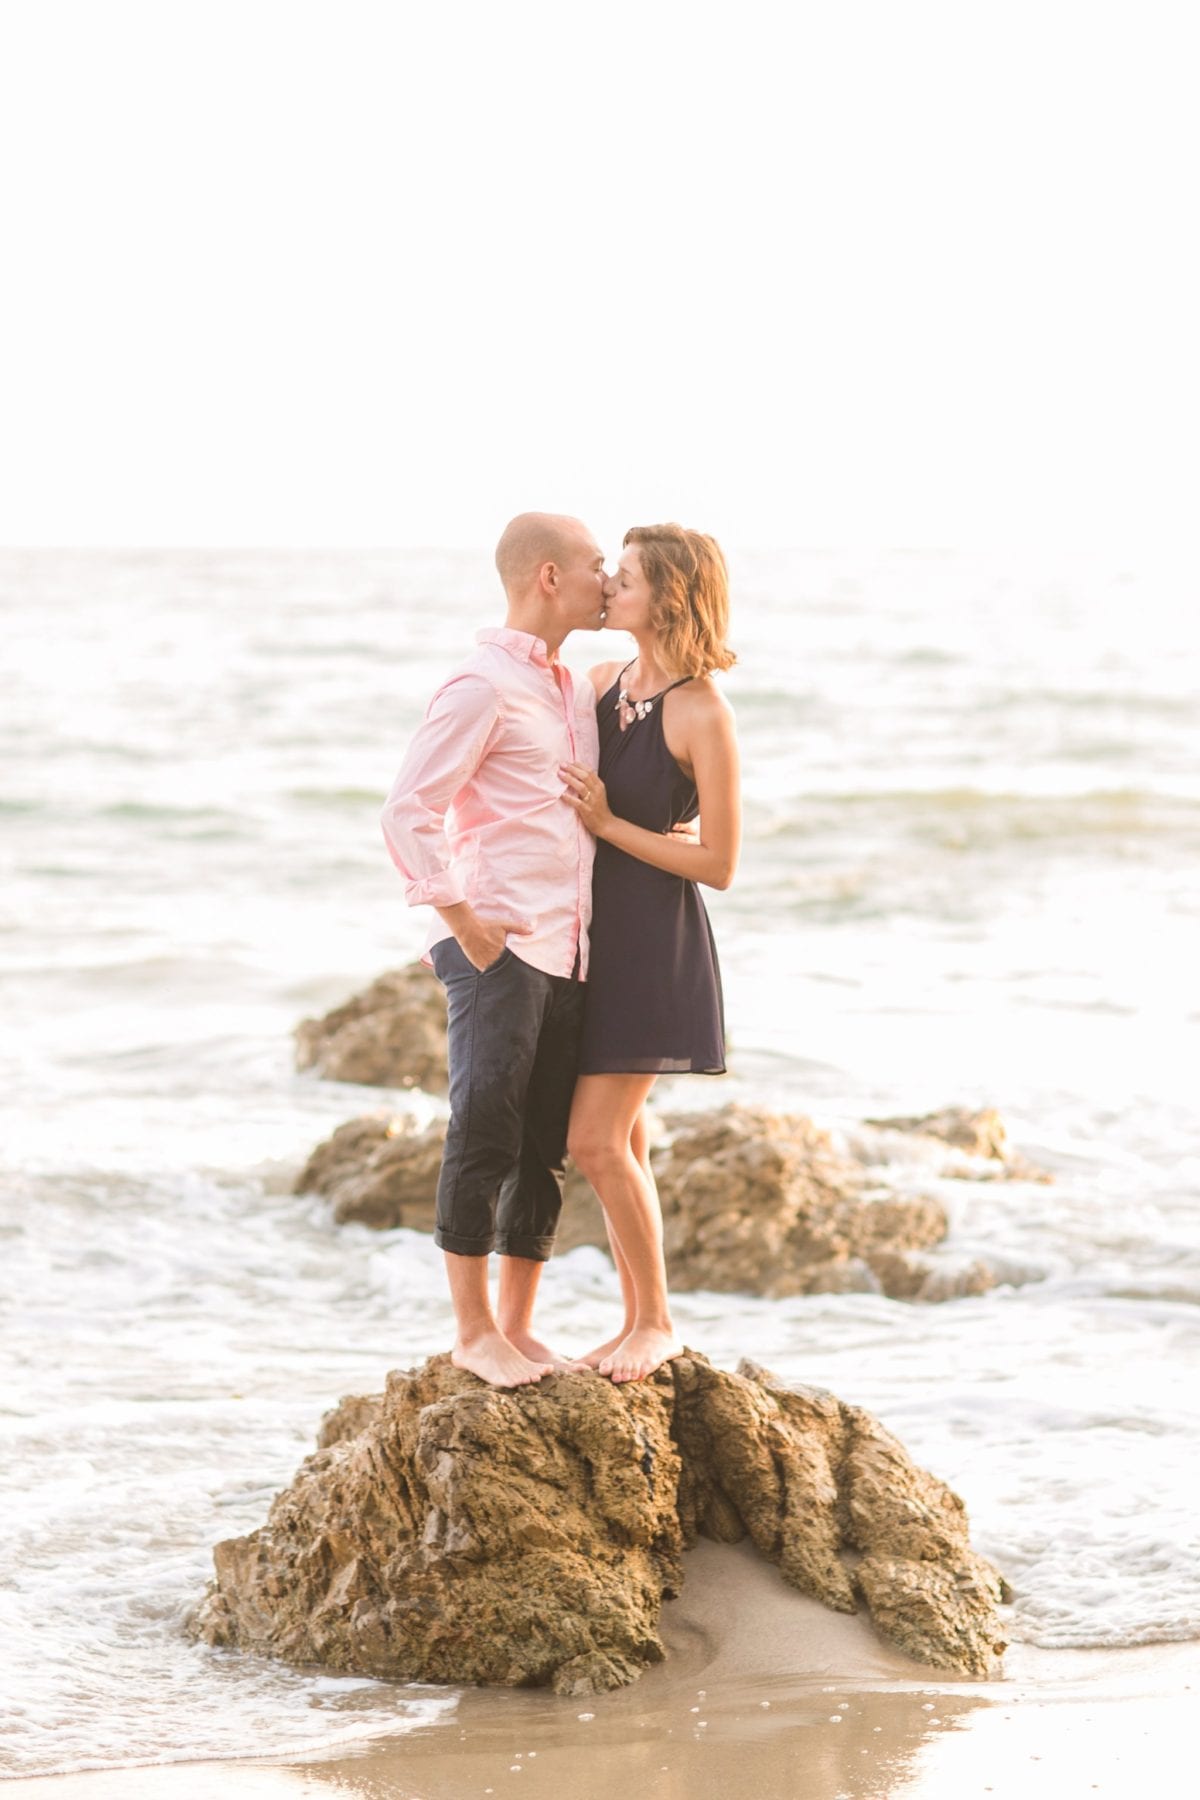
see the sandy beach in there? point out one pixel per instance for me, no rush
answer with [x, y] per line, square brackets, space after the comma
[765, 1695]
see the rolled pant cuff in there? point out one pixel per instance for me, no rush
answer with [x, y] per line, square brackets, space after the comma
[463, 1246]
[533, 1249]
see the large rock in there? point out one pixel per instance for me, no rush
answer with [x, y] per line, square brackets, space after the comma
[393, 1034]
[752, 1202]
[453, 1532]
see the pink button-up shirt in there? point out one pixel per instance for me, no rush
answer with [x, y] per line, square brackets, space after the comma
[476, 812]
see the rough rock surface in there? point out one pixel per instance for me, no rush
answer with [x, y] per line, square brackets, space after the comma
[379, 1171]
[755, 1202]
[752, 1203]
[453, 1532]
[979, 1135]
[393, 1034]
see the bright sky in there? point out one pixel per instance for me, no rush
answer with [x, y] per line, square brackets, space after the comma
[353, 273]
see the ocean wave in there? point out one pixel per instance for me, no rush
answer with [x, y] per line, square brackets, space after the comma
[337, 799]
[157, 811]
[982, 814]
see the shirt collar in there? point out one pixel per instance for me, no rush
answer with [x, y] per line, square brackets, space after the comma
[521, 644]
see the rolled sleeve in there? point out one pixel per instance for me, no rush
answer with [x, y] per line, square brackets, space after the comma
[447, 749]
[435, 890]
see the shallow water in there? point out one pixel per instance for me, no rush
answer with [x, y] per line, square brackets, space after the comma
[973, 818]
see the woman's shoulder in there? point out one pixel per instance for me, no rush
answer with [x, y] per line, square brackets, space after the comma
[701, 698]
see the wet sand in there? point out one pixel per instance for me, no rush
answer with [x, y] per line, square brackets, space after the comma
[765, 1696]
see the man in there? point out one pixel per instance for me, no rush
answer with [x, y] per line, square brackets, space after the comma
[477, 825]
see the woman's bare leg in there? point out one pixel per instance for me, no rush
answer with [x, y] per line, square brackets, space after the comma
[608, 1141]
[593, 1358]
[639, 1143]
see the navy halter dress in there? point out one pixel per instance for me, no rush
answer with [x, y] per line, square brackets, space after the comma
[653, 1000]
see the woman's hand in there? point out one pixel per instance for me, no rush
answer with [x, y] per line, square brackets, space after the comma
[587, 794]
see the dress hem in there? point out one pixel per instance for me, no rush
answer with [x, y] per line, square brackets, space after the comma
[653, 1069]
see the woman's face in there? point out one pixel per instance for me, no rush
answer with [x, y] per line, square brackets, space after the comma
[629, 608]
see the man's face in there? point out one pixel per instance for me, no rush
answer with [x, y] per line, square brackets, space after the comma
[631, 597]
[583, 587]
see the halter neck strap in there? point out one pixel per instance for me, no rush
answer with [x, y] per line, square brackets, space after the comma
[661, 691]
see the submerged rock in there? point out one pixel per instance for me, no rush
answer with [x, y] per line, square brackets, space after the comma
[979, 1135]
[393, 1034]
[917, 1275]
[454, 1532]
[753, 1202]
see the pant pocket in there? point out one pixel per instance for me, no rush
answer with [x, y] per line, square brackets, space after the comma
[449, 960]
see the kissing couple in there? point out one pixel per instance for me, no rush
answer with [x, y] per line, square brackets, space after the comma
[560, 832]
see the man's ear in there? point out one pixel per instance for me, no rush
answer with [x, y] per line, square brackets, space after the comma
[548, 579]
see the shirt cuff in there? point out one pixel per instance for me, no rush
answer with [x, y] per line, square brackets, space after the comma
[443, 889]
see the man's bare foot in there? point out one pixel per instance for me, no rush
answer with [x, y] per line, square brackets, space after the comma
[537, 1352]
[593, 1358]
[638, 1355]
[496, 1361]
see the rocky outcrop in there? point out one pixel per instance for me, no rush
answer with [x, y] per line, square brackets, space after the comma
[981, 1138]
[753, 1202]
[452, 1532]
[352, 1414]
[393, 1034]
[379, 1170]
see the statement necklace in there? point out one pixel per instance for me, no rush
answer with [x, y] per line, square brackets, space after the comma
[629, 710]
[633, 709]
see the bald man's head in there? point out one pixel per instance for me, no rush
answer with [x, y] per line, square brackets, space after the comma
[533, 539]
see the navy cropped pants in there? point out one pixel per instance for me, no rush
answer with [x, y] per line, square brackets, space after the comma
[514, 1037]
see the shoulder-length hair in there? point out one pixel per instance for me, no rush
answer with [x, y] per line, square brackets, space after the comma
[689, 605]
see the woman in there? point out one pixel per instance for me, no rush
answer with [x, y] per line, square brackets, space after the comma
[667, 754]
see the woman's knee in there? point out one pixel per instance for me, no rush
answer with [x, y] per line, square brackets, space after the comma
[595, 1152]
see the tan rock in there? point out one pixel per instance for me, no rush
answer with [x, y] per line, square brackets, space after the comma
[469, 1535]
[345, 1155]
[912, 1275]
[753, 1202]
[453, 1532]
[352, 1414]
[379, 1171]
[393, 1034]
[979, 1135]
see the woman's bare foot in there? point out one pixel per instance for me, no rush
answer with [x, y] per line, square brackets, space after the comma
[593, 1358]
[537, 1352]
[638, 1355]
[496, 1361]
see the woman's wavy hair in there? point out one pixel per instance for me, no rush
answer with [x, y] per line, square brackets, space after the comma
[689, 604]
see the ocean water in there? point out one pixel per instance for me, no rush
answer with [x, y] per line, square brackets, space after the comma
[973, 830]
